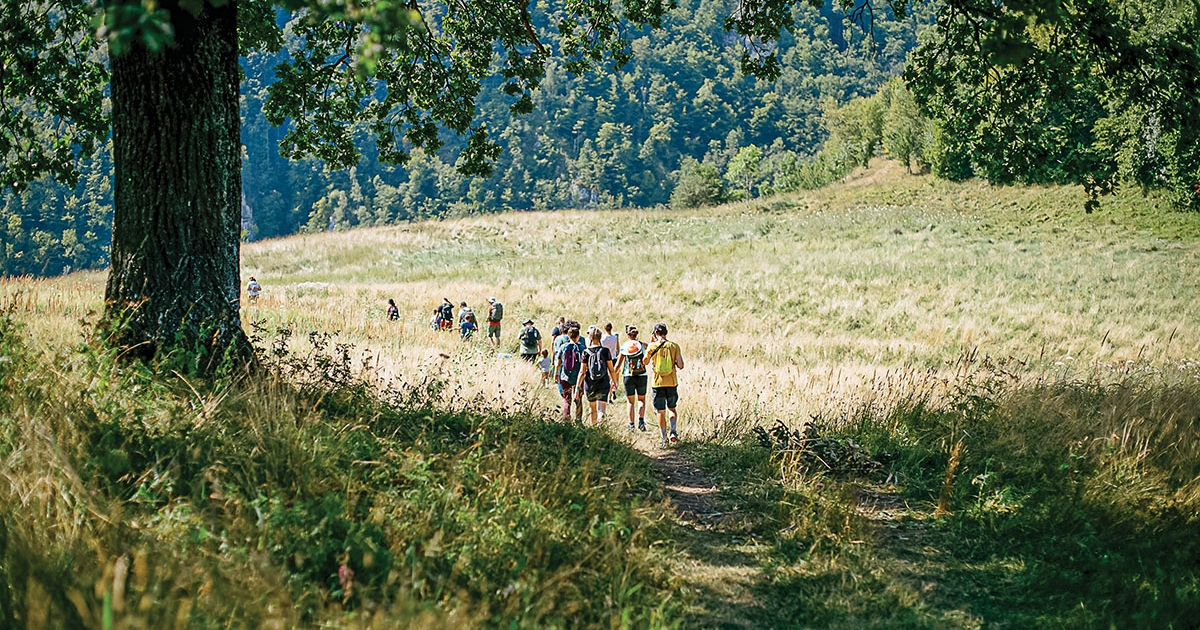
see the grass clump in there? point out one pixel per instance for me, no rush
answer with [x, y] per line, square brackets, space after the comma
[1033, 501]
[137, 497]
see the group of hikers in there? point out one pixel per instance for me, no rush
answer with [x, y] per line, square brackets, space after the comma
[591, 365]
[580, 365]
[467, 323]
[587, 365]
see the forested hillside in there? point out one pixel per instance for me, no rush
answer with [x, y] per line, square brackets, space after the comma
[600, 140]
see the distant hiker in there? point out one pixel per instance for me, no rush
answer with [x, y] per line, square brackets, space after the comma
[544, 365]
[559, 328]
[568, 359]
[393, 313]
[435, 322]
[466, 312]
[531, 341]
[612, 342]
[446, 314]
[597, 377]
[467, 329]
[253, 289]
[632, 365]
[665, 360]
[495, 314]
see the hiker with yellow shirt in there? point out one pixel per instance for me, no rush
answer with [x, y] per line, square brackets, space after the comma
[665, 361]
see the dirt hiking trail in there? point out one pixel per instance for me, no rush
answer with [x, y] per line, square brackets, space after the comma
[722, 567]
[717, 568]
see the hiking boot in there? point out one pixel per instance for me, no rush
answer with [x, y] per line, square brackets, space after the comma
[641, 424]
[674, 437]
[630, 426]
[663, 444]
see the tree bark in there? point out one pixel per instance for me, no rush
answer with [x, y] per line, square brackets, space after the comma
[174, 282]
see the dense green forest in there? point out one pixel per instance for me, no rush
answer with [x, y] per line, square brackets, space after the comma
[597, 140]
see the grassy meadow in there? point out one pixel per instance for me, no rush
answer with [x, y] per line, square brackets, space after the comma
[777, 303]
[1028, 373]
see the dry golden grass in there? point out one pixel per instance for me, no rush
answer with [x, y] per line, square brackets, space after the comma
[777, 304]
[860, 303]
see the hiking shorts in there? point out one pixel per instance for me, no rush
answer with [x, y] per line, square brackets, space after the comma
[598, 392]
[665, 398]
[532, 358]
[635, 385]
[494, 331]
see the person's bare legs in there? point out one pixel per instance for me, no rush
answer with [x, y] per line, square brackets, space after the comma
[632, 409]
[601, 407]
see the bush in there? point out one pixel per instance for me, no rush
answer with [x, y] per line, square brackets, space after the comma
[700, 184]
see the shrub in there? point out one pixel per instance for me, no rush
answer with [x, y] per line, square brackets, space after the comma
[700, 184]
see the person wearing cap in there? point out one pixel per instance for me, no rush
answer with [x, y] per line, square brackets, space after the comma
[631, 365]
[495, 313]
[531, 341]
[665, 361]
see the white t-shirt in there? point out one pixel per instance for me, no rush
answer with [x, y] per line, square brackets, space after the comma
[612, 342]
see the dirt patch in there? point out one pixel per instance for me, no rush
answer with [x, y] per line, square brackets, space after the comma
[719, 569]
[691, 490]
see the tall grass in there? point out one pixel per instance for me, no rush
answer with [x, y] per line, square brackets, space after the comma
[1069, 498]
[423, 464]
[135, 497]
[776, 305]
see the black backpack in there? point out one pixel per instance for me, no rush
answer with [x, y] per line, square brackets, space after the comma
[597, 368]
[530, 336]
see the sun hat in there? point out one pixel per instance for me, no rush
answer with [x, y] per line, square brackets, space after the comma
[527, 321]
[491, 299]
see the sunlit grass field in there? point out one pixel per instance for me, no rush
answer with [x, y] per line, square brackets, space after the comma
[776, 303]
[1035, 365]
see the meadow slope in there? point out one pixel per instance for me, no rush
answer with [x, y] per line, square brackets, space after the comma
[777, 302]
[1006, 393]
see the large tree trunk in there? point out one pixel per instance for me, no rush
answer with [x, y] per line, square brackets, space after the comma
[174, 283]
